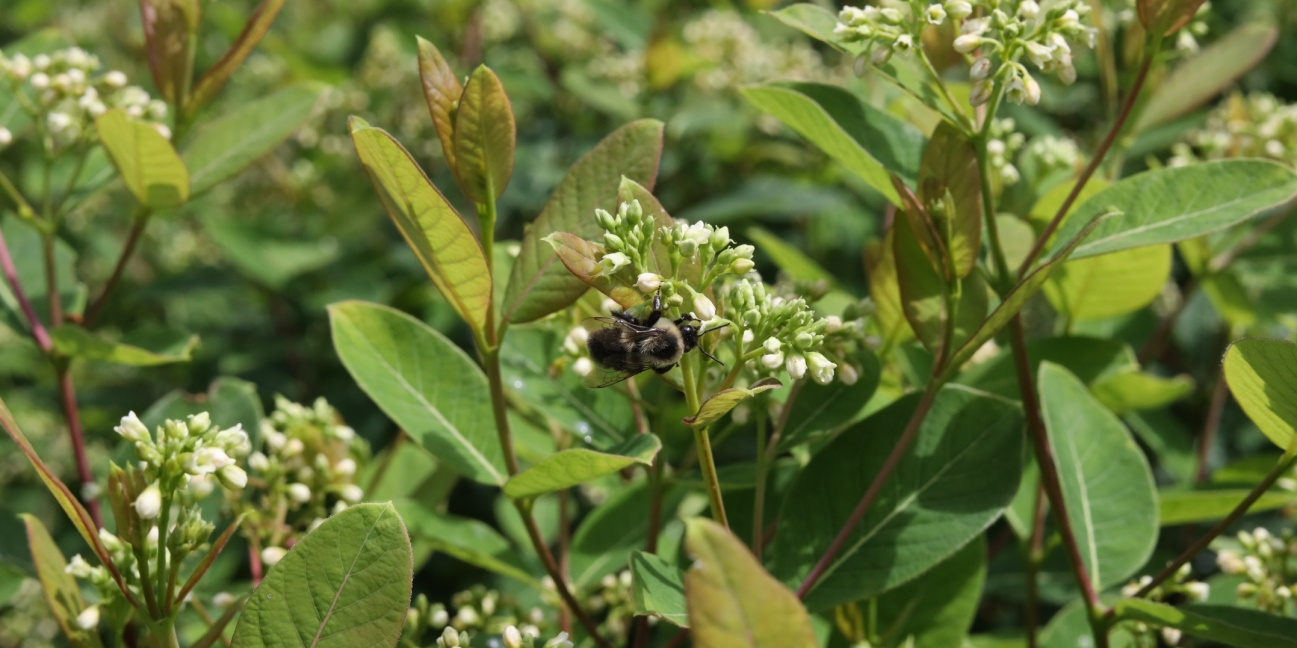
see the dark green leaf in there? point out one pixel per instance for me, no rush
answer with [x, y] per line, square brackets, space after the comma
[937, 608]
[1232, 626]
[788, 258]
[229, 401]
[658, 588]
[164, 347]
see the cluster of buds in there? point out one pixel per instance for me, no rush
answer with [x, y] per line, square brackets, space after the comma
[628, 236]
[895, 27]
[1267, 561]
[478, 611]
[305, 470]
[1179, 588]
[1256, 125]
[64, 91]
[775, 332]
[185, 454]
[1050, 153]
[1002, 148]
[612, 597]
[728, 53]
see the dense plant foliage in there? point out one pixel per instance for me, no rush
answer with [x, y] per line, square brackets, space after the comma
[912, 323]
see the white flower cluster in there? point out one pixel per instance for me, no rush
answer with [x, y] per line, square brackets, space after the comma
[788, 332]
[1178, 587]
[1002, 148]
[477, 610]
[190, 452]
[730, 53]
[64, 92]
[1255, 125]
[612, 598]
[1050, 153]
[1265, 560]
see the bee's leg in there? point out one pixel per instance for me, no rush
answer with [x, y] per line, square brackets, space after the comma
[656, 315]
[662, 370]
[687, 317]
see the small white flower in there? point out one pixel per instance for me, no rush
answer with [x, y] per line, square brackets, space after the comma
[76, 77]
[880, 56]
[1016, 91]
[344, 432]
[89, 618]
[959, 9]
[258, 462]
[967, 43]
[980, 70]
[1032, 89]
[274, 440]
[559, 642]
[201, 485]
[772, 361]
[346, 467]
[149, 503]
[936, 14]
[847, 372]
[611, 263]
[981, 92]
[512, 638]
[163, 131]
[294, 447]
[232, 477]
[1067, 74]
[647, 282]
[796, 366]
[821, 367]
[1198, 591]
[299, 492]
[449, 638]
[20, 67]
[78, 567]
[439, 618]
[833, 324]
[132, 429]
[1028, 9]
[6, 137]
[1274, 148]
[1171, 636]
[40, 81]
[975, 27]
[748, 337]
[1039, 53]
[1230, 562]
[41, 61]
[272, 555]
[583, 366]
[903, 42]
[1069, 20]
[704, 309]
[205, 461]
[234, 441]
[352, 493]
[223, 600]
[1255, 570]
[115, 79]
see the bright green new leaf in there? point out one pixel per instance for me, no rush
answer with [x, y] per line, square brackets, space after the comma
[819, 409]
[951, 193]
[539, 284]
[61, 591]
[1260, 375]
[215, 77]
[167, 26]
[424, 383]
[579, 465]
[1200, 76]
[658, 588]
[720, 403]
[1111, 284]
[228, 145]
[581, 258]
[230, 402]
[1132, 390]
[1107, 483]
[471, 541]
[153, 347]
[443, 242]
[939, 498]
[938, 607]
[347, 583]
[485, 137]
[1188, 506]
[441, 90]
[732, 601]
[787, 257]
[147, 163]
[868, 141]
[1232, 626]
[1173, 204]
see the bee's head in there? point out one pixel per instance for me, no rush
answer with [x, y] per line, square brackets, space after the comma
[689, 335]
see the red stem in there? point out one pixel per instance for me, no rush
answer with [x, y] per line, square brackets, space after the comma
[1035, 555]
[69, 397]
[1208, 438]
[41, 335]
[132, 239]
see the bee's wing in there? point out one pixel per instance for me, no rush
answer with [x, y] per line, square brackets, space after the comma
[593, 324]
[606, 377]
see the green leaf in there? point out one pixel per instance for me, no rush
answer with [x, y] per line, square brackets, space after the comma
[579, 465]
[441, 90]
[937, 608]
[720, 403]
[1111, 284]
[884, 289]
[230, 402]
[603, 542]
[658, 588]
[471, 541]
[226, 146]
[1173, 204]
[819, 409]
[215, 77]
[816, 22]
[732, 601]
[1232, 626]
[581, 258]
[346, 583]
[868, 141]
[922, 289]
[424, 383]
[1130, 391]
[1107, 484]
[148, 165]
[485, 137]
[167, 27]
[1172, 444]
[939, 498]
[1186, 506]
[1201, 76]
[538, 284]
[950, 191]
[788, 258]
[1091, 359]
[440, 238]
[164, 347]
[1070, 628]
[1260, 375]
[266, 257]
[61, 591]
[1165, 17]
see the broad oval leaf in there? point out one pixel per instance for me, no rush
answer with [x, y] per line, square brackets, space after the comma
[732, 601]
[485, 137]
[1260, 375]
[658, 588]
[1229, 625]
[1111, 284]
[1173, 204]
[939, 498]
[581, 258]
[228, 145]
[471, 541]
[720, 403]
[1186, 506]
[1106, 481]
[61, 590]
[819, 409]
[215, 77]
[950, 191]
[539, 284]
[922, 290]
[424, 383]
[347, 583]
[1199, 77]
[440, 238]
[937, 608]
[164, 347]
[441, 90]
[579, 465]
[147, 163]
[868, 141]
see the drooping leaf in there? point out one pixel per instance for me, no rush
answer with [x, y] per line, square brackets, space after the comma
[579, 465]
[1173, 204]
[168, 25]
[229, 401]
[61, 591]
[1260, 375]
[424, 383]
[442, 90]
[1232, 626]
[1166, 16]
[720, 403]
[149, 167]
[820, 408]
[164, 347]
[938, 499]
[485, 137]
[866, 140]
[788, 258]
[1111, 284]
[223, 148]
[581, 258]
[347, 583]
[539, 284]
[950, 190]
[440, 238]
[658, 588]
[1186, 506]
[215, 77]
[1199, 77]
[1132, 390]
[1106, 481]
[471, 541]
[937, 608]
[732, 601]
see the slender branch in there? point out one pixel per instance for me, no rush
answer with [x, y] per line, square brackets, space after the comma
[533, 531]
[702, 442]
[24, 208]
[72, 180]
[1218, 397]
[68, 396]
[1035, 556]
[132, 239]
[41, 335]
[1090, 168]
[889, 466]
[1283, 466]
[254, 558]
[491, 358]
[52, 281]
[564, 568]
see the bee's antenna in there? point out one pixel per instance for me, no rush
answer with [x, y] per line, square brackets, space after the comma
[713, 329]
[704, 352]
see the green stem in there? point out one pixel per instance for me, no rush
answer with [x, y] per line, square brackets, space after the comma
[945, 92]
[146, 581]
[163, 521]
[702, 442]
[25, 210]
[763, 466]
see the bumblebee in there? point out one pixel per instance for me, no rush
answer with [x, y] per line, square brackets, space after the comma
[625, 345]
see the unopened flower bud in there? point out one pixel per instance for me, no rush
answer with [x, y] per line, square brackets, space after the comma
[115, 79]
[6, 137]
[1198, 591]
[796, 367]
[89, 618]
[742, 266]
[223, 600]
[232, 477]
[772, 345]
[258, 462]
[704, 309]
[1069, 20]
[981, 92]
[821, 367]
[967, 43]
[272, 555]
[200, 422]
[1028, 9]
[648, 282]
[78, 567]
[345, 467]
[981, 69]
[352, 493]
[848, 374]
[880, 55]
[299, 492]
[149, 503]
[772, 361]
[512, 638]
[959, 9]
[559, 642]
[1032, 90]
[132, 429]
[1171, 636]
[294, 447]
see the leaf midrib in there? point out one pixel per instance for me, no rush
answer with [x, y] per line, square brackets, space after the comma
[324, 620]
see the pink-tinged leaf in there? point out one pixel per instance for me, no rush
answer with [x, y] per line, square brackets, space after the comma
[581, 258]
[921, 225]
[921, 287]
[61, 591]
[485, 137]
[215, 77]
[441, 89]
[168, 26]
[950, 190]
[1166, 16]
